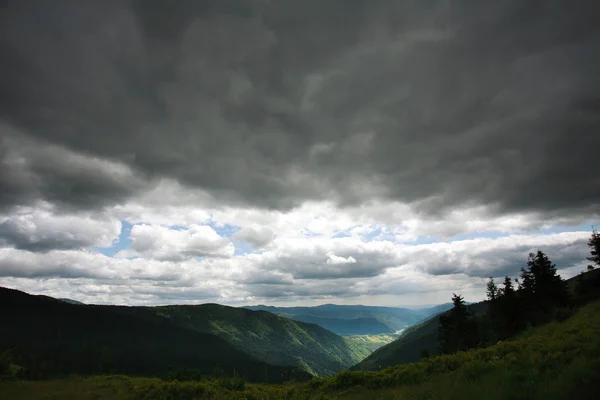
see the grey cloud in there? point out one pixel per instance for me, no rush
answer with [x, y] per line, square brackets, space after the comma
[38, 230]
[498, 260]
[256, 236]
[33, 170]
[315, 266]
[463, 103]
[21, 264]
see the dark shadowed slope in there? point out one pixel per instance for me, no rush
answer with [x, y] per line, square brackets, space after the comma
[267, 336]
[49, 336]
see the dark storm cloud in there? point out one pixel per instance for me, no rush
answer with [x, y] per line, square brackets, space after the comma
[32, 170]
[270, 103]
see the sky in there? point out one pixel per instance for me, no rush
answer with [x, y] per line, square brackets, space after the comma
[294, 152]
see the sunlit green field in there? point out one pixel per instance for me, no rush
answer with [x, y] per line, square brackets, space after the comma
[555, 361]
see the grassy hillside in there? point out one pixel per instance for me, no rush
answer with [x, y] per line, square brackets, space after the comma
[270, 337]
[554, 361]
[352, 320]
[49, 336]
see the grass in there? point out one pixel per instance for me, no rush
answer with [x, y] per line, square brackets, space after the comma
[554, 361]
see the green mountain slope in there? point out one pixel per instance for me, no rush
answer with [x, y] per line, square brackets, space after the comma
[352, 320]
[424, 336]
[270, 337]
[49, 336]
[410, 345]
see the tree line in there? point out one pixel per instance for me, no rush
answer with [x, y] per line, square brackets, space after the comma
[538, 296]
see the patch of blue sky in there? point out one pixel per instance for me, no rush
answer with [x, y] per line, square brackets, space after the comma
[341, 235]
[308, 234]
[122, 243]
[242, 248]
[377, 234]
[222, 230]
[225, 230]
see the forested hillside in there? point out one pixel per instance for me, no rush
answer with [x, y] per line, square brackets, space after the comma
[264, 336]
[47, 337]
[270, 337]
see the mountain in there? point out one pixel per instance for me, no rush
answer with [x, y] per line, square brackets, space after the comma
[49, 336]
[346, 327]
[558, 360]
[351, 320]
[413, 341]
[264, 335]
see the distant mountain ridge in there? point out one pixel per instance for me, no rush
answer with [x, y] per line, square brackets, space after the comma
[349, 320]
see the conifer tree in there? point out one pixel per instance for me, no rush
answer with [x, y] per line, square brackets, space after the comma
[458, 329]
[492, 290]
[594, 245]
[508, 289]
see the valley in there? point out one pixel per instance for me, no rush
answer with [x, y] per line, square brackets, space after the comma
[289, 341]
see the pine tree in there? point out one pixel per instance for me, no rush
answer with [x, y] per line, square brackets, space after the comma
[492, 290]
[543, 288]
[458, 330]
[508, 289]
[594, 245]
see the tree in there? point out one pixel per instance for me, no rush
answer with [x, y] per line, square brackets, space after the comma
[458, 329]
[543, 289]
[540, 272]
[492, 290]
[508, 289]
[594, 245]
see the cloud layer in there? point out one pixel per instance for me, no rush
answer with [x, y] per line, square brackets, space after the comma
[293, 150]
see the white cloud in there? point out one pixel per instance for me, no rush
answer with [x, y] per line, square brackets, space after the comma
[331, 258]
[162, 243]
[40, 228]
[311, 254]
